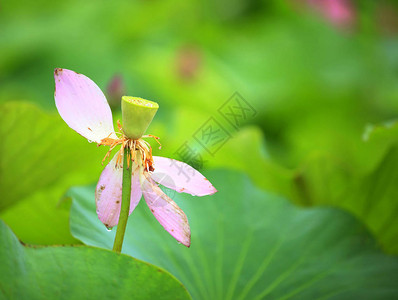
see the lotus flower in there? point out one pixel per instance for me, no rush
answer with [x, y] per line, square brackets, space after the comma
[83, 106]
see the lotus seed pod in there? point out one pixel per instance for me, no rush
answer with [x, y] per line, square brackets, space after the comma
[137, 114]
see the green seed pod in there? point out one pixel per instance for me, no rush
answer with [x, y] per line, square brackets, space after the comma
[137, 114]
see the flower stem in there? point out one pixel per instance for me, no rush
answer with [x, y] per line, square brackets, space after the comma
[125, 207]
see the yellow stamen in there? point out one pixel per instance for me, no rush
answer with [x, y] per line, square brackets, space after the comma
[140, 145]
[156, 139]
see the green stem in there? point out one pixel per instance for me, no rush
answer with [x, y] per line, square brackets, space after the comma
[124, 211]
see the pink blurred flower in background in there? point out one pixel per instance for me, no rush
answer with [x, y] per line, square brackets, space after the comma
[341, 13]
[115, 90]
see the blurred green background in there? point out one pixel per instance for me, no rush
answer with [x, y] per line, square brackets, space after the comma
[321, 76]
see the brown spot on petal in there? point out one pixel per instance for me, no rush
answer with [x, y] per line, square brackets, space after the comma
[102, 187]
[117, 201]
[89, 128]
[172, 230]
[152, 210]
[57, 71]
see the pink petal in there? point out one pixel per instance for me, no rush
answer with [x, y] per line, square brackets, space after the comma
[82, 105]
[108, 194]
[166, 211]
[181, 177]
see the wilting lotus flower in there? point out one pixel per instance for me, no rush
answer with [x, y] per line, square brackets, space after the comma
[84, 108]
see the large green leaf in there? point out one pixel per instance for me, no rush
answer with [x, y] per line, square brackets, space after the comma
[375, 200]
[41, 157]
[248, 244]
[37, 150]
[41, 218]
[370, 193]
[78, 273]
[372, 196]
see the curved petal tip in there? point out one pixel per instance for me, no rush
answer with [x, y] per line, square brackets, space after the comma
[181, 177]
[82, 105]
